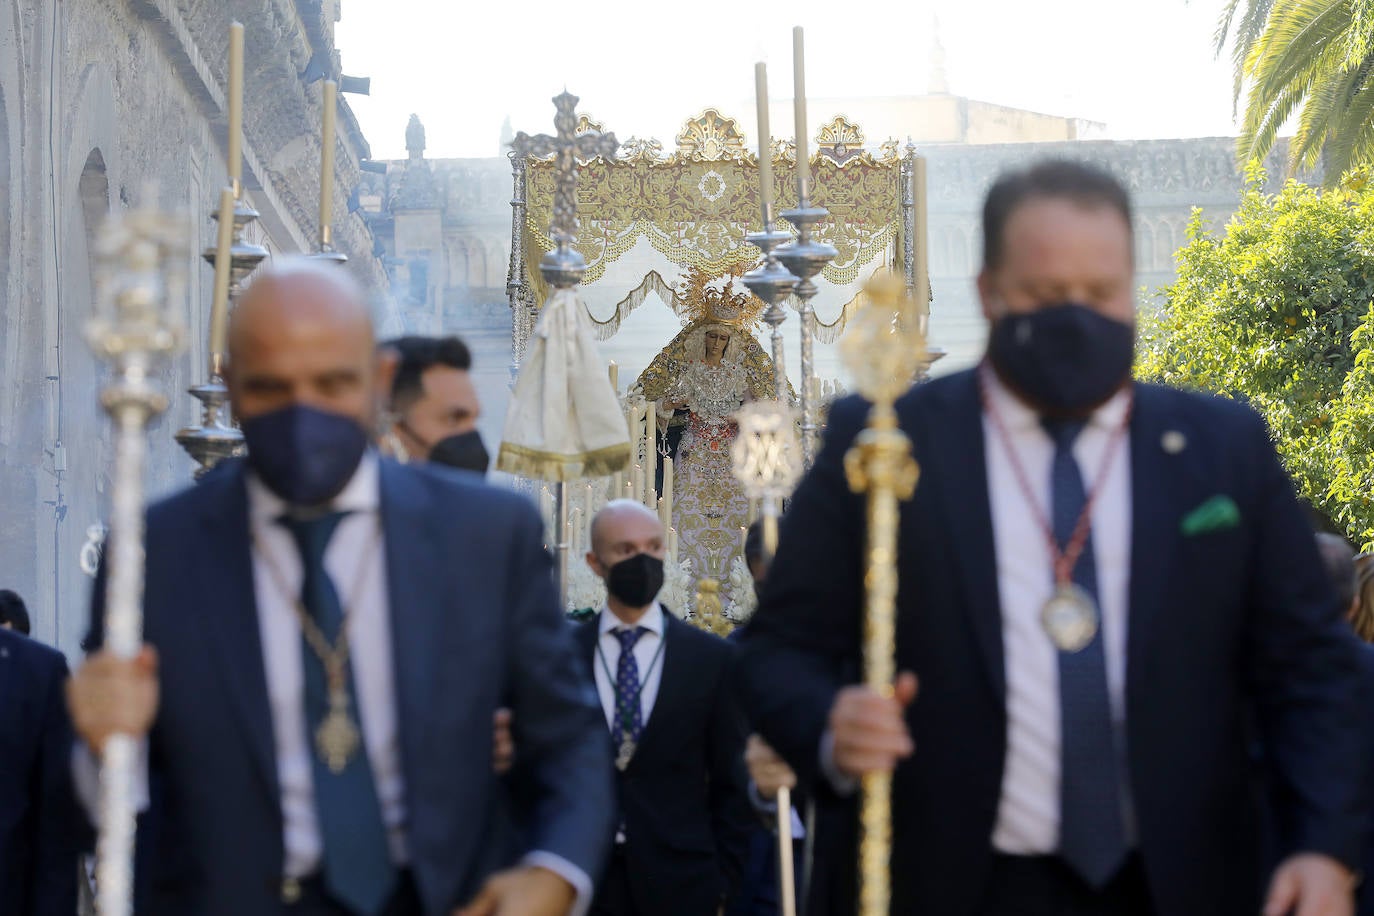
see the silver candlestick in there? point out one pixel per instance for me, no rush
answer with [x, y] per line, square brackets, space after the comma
[805, 258]
[213, 440]
[134, 329]
[563, 267]
[772, 283]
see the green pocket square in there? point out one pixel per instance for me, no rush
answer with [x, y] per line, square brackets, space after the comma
[1216, 514]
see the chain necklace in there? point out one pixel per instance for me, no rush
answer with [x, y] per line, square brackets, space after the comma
[1070, 616]
[626, 751]
[337, 738]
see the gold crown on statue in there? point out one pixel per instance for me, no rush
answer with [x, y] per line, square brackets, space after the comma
[713, 299]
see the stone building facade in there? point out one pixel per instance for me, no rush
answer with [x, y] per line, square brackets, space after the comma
[100, 99]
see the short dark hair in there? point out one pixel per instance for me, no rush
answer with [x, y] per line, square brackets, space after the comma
[1084, 184]
[13, 611]
[1338, 558]
[418, 354]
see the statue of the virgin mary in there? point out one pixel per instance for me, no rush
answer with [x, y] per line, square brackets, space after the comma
[697, 382]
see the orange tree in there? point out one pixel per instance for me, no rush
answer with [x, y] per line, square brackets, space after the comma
[1276, 308]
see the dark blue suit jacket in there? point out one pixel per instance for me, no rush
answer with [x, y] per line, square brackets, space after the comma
[683, 796]
[475, 625]
[38, 820]
[1221, 623]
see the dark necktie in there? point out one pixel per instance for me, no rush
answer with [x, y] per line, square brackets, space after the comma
[1092, 836]
[629, 717]
[356, 865]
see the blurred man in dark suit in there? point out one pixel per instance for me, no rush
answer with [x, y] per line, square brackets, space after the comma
[328, 637]
[1100, 582]
[38, 818]
[13, 613]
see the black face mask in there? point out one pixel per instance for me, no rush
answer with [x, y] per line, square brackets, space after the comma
[635, 581]
[462, 450]
[1064, 360]
[305, 456]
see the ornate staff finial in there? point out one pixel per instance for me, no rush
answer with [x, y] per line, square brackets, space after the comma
[135, 328]
[563, 267]
[883, 349]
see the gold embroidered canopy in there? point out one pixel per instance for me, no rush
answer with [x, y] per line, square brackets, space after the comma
[696, 205]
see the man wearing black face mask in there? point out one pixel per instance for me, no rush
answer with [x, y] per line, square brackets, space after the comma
[329, 636]
[434, 403]
[1103, 585]
[674, 729]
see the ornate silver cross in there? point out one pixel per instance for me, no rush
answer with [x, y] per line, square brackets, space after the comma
[563, 267]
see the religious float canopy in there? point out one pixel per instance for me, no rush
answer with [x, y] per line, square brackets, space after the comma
[696, 205]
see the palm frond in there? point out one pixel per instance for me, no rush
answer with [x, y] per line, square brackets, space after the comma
[1330, 95]
[1351, 138]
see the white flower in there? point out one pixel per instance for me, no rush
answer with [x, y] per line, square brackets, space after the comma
[585, 588]
[679, 589]
[743, 600]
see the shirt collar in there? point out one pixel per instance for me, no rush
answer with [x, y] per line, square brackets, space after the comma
[1019, 416]
[651, 621]
[362, 493]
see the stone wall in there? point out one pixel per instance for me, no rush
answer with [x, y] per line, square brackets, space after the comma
[99, 100]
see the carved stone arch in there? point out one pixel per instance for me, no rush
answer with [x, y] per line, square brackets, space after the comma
[476, 263]
[1166, 243]
[497, 263]
[965, 257]
[93, 193]
[89, 178]
[458, 262]
[1144, 243]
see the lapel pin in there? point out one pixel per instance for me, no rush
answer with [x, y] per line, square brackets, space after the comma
[1173, 442]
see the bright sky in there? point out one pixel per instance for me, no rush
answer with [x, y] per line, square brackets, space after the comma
[1145, 68]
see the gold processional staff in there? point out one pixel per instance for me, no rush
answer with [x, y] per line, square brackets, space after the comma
[884, 350]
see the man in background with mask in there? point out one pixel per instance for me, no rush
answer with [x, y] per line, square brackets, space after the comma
[676, 734]
[434, 403]
[328, 636]
[1103, 584]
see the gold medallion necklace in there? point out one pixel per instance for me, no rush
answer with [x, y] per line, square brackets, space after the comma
[1070, 617]
[337, 738]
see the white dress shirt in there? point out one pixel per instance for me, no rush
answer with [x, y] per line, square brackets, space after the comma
[608, 659]
[1028, 812]
[355, 561]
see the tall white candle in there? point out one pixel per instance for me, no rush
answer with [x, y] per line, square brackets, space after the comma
[614, 372]
[668, 491]
[236, 107]
[799, 110]
[219, 308]
[327, 141]
[765, 142]
[922, 284]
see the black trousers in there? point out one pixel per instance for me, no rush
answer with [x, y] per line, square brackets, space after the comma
[1045, 886]
[613, 894]
[314, 900]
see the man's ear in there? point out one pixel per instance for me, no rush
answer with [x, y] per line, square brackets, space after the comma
[227, 375]
[595, 565]
[384, 374]
[987, 295]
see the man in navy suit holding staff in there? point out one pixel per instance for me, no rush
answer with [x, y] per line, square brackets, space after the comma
[1103, 586]
[328, 637]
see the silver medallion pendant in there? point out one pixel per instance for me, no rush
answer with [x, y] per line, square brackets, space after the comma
[627, 752]
[1070, 618]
